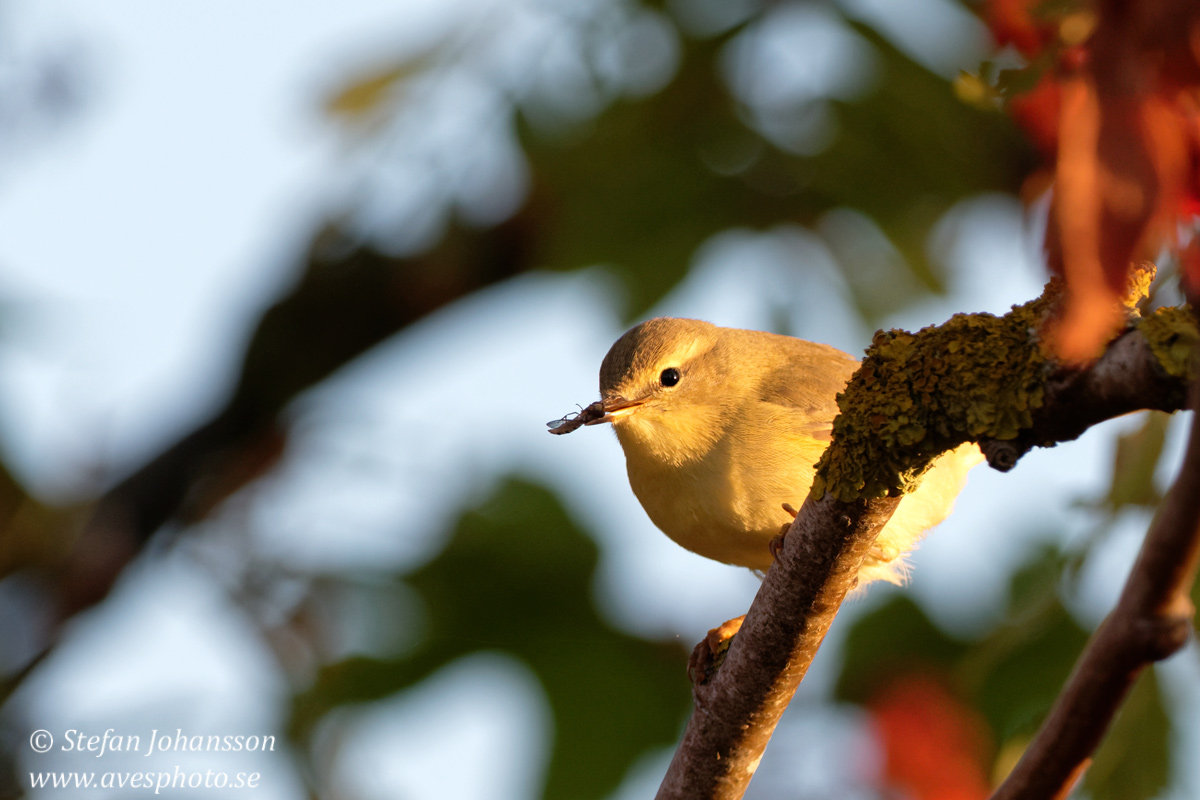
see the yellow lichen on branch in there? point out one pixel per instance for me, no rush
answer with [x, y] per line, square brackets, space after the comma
[1173, 338]
[918, 395]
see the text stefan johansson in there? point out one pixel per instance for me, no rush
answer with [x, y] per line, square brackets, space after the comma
[111, 742]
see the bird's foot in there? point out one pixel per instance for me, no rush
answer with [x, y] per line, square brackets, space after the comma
[883, 553]
[776, 544]
[709, 654]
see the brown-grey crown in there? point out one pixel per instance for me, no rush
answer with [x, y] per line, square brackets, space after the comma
[646, 346]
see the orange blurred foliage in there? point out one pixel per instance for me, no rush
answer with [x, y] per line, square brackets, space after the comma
[1117, 110]
[1015, 22]
[935, 746]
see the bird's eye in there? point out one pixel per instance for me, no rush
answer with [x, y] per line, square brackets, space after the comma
[669, 377]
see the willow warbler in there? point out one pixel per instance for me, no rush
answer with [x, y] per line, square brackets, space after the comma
[722, 427]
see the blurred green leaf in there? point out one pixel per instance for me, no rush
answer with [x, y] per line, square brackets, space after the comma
[1033, 589]
[646, 182]
[1011, 672]
[516, 578]
[32, 534]
[1020, 670]
[1133, 761]
[1196, 602]
[909, 151]
[1017, 669]
[1134, 464]
[893, 639]
[633, 191]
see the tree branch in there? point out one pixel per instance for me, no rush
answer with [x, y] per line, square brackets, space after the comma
[1130, 377]
[1151, 621]
[737, 710]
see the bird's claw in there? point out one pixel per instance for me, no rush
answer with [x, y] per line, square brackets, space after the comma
[709, 654]
[883, 554]
[776, 544]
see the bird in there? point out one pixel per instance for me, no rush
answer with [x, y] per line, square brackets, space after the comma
[722, 428]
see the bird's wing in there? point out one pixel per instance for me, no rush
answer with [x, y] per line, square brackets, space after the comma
[806, 384]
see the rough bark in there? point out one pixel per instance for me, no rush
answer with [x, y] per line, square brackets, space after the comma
[736, 711]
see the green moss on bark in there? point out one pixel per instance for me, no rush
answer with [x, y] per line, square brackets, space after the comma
[978, 376]
[1172, 335]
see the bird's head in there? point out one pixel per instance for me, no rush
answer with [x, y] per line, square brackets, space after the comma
[665, 387]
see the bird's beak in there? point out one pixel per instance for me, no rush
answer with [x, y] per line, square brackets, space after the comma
[615, 408]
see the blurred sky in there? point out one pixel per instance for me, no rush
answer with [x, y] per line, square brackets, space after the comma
[139, 237]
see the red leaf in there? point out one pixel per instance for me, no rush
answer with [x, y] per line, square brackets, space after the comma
[1037, 111]
[1127, 158]
[1011, 22]
[935, 746]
